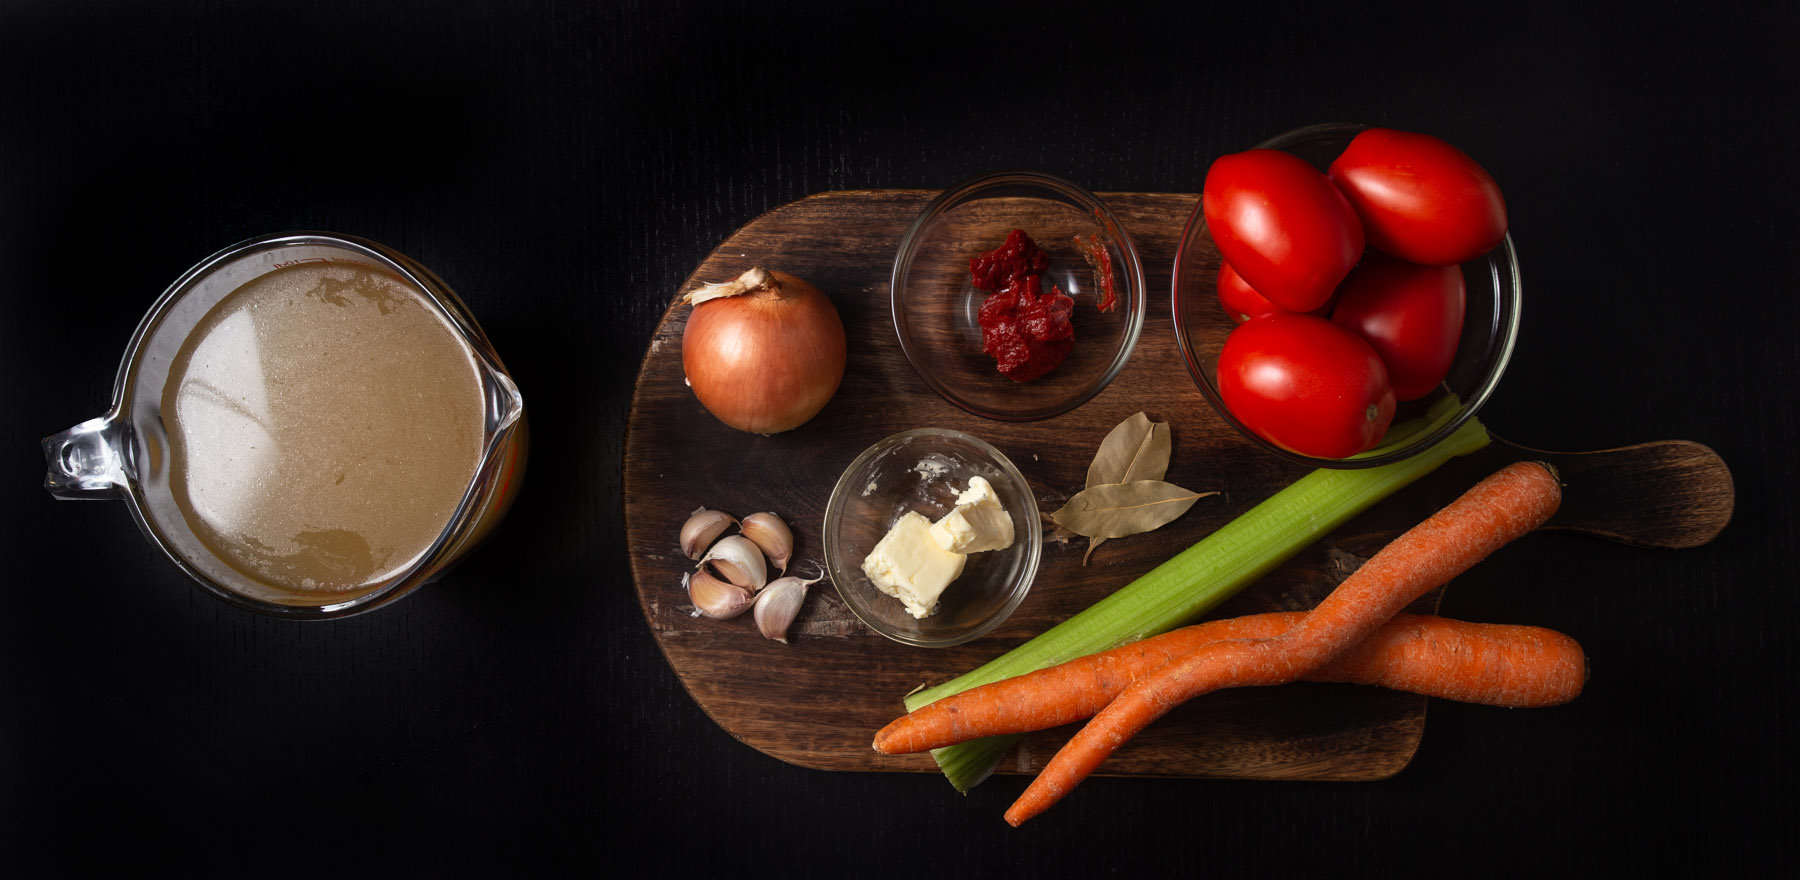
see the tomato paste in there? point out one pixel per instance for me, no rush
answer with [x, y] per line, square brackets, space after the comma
[1026, 330]
[1093, 249]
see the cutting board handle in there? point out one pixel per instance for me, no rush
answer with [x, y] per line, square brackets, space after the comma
[1669, 493]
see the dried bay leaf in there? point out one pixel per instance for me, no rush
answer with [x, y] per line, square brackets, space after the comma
[1119, 450]
[1135, 449]
[1152, 460]
[1092, 543]
[1053, 533]
[1117, 510]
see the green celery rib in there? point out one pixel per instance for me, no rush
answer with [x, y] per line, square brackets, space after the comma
[1195, 581]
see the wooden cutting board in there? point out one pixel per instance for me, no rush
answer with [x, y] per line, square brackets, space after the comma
[818, 701]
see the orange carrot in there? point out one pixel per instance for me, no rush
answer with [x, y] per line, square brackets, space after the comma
[1493, 664]
[1517, 499]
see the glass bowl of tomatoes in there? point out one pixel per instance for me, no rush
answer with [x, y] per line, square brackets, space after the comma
[1017, 295]
[1310, 389]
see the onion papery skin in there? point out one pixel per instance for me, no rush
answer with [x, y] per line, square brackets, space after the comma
[767, 360]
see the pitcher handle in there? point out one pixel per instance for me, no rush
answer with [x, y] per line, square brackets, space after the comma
[87, 461]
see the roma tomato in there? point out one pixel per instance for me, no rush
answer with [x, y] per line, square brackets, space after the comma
[1306, 384]
[1282, 226]
[1419, 198]
[1241, 301]
[1412, 315]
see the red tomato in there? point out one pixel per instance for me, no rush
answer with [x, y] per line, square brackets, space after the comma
[1412, 315]
[1241, 301]
[1282, 226]
[1306, 384]
[1419, 198]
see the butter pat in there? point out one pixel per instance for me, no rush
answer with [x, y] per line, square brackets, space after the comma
[978, 523]
[908, 565]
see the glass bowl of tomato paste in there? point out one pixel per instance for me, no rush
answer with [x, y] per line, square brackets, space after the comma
[1017, 295]
[1490, 326]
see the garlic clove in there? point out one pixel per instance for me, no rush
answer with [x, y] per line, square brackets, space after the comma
[701, 529]
[778, 604]
[716, 598]
[773, 536]
[738, 561]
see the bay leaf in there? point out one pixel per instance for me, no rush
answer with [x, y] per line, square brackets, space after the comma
[1116, 510]
[1118, 451]
[1135, 449]
[1152, 459]
[1053, 533]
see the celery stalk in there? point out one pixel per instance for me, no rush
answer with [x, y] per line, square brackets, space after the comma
[1194, 581]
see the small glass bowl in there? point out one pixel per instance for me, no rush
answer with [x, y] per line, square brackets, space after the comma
[923, 470]
[1490, 322]
[935, 301]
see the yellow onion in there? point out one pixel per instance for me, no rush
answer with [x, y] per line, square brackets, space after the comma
[763, 352]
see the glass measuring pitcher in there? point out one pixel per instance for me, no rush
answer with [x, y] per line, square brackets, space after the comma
[310, 425]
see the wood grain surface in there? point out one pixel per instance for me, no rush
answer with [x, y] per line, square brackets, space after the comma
[817, 702]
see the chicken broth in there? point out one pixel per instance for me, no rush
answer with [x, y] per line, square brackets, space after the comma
[324, 421]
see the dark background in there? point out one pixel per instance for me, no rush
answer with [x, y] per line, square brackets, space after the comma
[564, 165]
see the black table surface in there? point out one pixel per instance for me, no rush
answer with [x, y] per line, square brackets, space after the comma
[565, 164]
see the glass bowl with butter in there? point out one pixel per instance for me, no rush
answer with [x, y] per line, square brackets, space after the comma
[932, 537]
